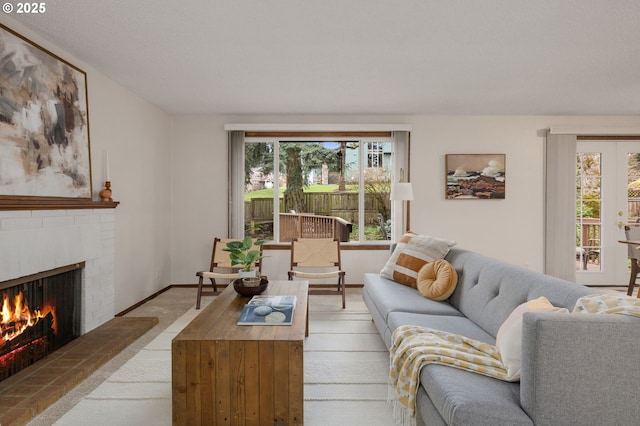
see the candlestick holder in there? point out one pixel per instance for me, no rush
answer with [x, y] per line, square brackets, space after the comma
[105, 194]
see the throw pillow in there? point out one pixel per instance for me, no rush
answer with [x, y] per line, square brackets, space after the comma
[412, 252]
[437, 280]
[509, 337]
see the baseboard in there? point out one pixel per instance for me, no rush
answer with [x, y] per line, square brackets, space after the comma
[159, 292]
[143, 301]
[224, 285]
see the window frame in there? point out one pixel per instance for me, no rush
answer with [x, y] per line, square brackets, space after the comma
[363, 153]
[399, 137]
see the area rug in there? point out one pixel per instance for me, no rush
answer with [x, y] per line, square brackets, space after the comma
[345, 377]
[346, 367]
[346, 370]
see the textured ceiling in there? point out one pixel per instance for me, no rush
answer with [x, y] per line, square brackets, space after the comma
[359, 56]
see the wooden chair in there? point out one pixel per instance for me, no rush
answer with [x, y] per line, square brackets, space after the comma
[318, 258]
[633, 234]
[581, 255]
[220, 260]
[593, 250]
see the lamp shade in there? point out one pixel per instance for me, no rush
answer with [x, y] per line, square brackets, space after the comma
[402, 191]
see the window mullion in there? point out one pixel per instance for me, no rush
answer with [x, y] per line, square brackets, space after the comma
[276, 190]
[361, 202]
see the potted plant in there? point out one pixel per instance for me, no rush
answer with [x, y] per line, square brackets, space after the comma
[242, 253]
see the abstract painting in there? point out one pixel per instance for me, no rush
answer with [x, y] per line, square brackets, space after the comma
[44, 123]
[474, 176]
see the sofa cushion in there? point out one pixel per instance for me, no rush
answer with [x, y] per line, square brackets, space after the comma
[465, 398]
[412, 252]
[509, 337]
[451, 324]
[389, 296]
[437, 280]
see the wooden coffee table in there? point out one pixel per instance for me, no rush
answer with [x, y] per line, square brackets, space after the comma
[223, 373]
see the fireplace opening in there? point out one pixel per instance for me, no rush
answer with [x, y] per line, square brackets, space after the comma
[39, 314]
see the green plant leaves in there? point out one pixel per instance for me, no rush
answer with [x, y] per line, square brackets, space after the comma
[241, 253]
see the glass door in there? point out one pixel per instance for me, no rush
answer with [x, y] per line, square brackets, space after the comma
[607, 199]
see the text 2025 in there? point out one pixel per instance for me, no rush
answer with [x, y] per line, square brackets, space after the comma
[31, 7]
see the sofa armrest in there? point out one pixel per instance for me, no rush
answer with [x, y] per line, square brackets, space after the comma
[580, 368]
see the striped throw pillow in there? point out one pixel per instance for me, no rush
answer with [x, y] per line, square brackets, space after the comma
[412, 252]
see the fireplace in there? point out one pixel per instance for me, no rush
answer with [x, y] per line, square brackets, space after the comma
[39, 314]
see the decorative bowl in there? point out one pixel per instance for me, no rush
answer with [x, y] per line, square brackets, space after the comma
[242, 290]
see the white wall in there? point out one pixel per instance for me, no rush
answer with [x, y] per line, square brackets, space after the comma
[137, 136]
[510, 229]
[198, 193]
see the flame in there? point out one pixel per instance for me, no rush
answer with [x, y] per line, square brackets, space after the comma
[16, 317]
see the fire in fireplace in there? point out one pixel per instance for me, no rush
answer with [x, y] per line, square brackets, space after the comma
[40, 314]
[17, 317]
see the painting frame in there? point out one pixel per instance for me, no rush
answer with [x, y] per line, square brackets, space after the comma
[475, 176]
[45, 153]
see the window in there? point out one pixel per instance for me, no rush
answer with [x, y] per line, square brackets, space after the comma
[318, 187]
[375, 154]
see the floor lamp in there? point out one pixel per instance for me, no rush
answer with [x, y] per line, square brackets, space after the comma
[403, 192]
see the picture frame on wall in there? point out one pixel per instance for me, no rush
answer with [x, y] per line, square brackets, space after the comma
[44, 124]
[475, 176]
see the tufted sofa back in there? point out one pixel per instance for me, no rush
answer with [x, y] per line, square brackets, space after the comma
[489, 290]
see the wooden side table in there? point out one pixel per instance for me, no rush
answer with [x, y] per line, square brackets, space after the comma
[223, 373]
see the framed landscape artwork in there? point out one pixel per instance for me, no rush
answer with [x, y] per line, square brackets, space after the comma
[44, 123]
[475, 176]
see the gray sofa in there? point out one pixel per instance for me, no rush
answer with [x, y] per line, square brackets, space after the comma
[577, 369]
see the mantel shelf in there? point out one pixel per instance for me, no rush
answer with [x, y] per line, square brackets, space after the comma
[55, 204]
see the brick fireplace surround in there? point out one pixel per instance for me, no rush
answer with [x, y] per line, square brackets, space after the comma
[33, 241]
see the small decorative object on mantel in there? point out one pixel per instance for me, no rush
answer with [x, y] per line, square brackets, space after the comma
[105, 194]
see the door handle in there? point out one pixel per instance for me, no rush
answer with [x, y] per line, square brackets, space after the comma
[620, 224]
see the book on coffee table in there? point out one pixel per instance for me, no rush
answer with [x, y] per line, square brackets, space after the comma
[268, 310]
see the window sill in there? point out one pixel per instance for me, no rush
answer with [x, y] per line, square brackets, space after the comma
[343, 246]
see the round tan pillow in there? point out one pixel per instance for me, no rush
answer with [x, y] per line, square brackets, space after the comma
[437, 280]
